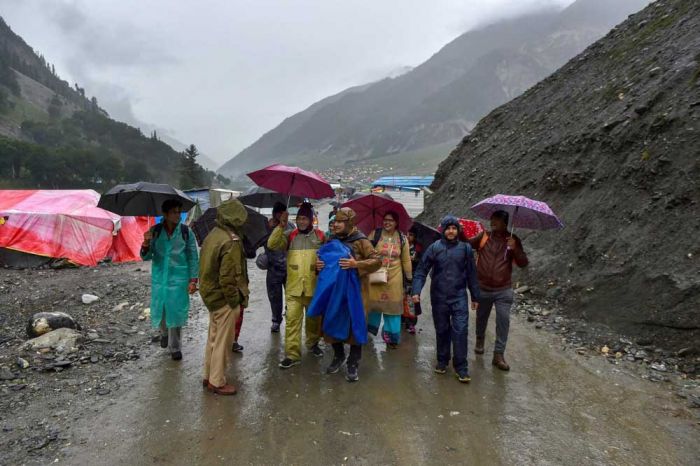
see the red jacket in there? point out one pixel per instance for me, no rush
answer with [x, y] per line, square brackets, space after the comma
[494, 265]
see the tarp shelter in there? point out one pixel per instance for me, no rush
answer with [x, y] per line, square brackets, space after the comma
[61, 224]
[204, 199]
[126, 246]
[403, 182]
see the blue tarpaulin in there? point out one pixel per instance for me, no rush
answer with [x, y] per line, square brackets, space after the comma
[338, 297]
[404, 181]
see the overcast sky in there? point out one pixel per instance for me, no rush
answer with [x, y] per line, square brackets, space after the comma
[221, 73]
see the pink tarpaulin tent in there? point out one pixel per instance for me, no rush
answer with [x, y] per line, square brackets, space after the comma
[126, 246]
[57, 223]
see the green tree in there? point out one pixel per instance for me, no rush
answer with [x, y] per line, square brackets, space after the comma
[191, 173]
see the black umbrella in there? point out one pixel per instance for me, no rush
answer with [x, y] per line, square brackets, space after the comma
[425, 235]
[264, 198]
[142, 198]
[254, 230]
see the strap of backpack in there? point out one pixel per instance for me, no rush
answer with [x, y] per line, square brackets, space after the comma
[185, 232]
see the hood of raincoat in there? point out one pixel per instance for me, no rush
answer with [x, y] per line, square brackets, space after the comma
[449, 220]
[231, 214]
[347, 215]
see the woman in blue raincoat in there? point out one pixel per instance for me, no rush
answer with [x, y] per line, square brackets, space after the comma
[172, 248]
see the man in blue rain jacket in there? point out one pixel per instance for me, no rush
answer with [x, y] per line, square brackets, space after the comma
[453, 267]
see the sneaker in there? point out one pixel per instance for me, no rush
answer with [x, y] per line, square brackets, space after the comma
[440, 369]
[464, 378]
[289, 362]
[351, 374]
[164, 341]
[392, 345]
[236, 348]
[316, 351]
[335, 365]
[412, 329]
[275, 327]
[177, 356]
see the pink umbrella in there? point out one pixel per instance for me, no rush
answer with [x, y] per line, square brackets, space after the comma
[524, 212]
[292, 181]
[371, 208]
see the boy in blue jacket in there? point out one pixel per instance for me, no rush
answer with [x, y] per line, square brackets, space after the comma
[452, 263]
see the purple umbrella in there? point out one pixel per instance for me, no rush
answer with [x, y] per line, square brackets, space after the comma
[292, 181]
[524, 212]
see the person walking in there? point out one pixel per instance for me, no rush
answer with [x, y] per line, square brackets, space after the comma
[497, 251]
[172, 249]
[386, 297]
[364, 260]
[453, 270]
[300, 245]
[276, 270]
[411, 320]
[224, 290]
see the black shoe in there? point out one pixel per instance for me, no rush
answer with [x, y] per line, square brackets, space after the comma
[316, 351]
[464, 378]
[236, 348]
[335, 366]
[440, 369]
[351, 375]
[163, 341]
[288, 362]
[275, 327]
[177, 356]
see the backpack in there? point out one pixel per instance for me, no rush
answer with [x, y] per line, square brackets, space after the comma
[184, 231]
[378, 235]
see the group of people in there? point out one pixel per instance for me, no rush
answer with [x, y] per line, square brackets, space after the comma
[391, 270]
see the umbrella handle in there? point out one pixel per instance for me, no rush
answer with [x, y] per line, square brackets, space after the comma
[512, 228]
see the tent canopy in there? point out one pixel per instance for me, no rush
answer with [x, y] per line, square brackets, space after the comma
[58, 223]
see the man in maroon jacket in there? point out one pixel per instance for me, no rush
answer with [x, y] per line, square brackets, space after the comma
[497, 251]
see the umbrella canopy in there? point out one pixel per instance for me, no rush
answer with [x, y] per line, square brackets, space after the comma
[524, 212]
[254, 230]
[142, 199]
[264, 198]
[425, 234]
[469, 228]
[292, 181]
[371, 208]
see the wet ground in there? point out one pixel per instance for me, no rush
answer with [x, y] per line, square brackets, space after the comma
[551, 408]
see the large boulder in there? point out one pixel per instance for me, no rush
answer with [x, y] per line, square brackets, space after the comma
[62, 339]
[44, 322]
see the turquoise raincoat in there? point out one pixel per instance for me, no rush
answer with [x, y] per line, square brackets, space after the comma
[175, 263]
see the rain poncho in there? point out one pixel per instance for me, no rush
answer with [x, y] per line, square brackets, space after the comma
[338, 296]
[175, 263]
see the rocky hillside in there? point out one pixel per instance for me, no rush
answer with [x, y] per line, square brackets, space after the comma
[441, 100]
[612, 142]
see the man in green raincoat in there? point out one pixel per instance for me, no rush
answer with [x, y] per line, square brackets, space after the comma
[224, 290]
[172, 249]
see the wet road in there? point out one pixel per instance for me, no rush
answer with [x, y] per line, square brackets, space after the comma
[552, 408]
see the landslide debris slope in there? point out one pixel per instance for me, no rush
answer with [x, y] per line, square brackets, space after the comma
[612, 142]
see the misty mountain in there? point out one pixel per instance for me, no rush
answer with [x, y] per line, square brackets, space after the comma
[440, 100]
[52, 135]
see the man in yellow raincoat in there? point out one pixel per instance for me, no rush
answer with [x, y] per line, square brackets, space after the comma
[172, 249]
[301, 246]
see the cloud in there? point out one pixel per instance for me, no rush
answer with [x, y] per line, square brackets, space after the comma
[221, 73]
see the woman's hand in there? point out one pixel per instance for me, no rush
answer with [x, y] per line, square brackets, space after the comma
[192, 288]
[319, 265]
[147, 237]
[350, 263]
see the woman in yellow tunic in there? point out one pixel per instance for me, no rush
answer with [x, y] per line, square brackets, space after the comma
[387, 299]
